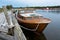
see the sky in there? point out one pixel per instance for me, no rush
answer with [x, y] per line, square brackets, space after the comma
[24, 3]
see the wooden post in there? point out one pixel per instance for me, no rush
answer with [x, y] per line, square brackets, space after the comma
[10, 29]
[6, 14]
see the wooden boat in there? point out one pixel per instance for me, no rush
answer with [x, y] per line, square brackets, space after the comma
[33, 21]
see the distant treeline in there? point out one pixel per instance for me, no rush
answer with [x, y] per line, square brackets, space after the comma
[45, 7]
[38, 7]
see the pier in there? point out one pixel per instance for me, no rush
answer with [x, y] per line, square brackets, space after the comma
[9, 28]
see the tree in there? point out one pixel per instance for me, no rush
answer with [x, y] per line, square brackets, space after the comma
[9, 7]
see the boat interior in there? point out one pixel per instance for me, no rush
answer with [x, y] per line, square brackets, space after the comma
[33, 18]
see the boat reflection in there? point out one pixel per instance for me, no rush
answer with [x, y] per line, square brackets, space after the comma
[33, 35]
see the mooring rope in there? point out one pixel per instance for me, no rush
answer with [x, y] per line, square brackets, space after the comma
[31, 29]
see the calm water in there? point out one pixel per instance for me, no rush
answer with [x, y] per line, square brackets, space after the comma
[52, 31]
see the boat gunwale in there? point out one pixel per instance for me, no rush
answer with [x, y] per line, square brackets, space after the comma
[24, 21]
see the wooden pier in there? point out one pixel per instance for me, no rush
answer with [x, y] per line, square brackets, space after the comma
[14, 30]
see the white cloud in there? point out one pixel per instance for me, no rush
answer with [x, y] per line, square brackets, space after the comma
[30, 2]
[39, 2]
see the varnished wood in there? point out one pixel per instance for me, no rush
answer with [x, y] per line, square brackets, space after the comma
[32, 23]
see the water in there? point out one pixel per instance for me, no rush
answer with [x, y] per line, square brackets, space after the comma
[52, 31]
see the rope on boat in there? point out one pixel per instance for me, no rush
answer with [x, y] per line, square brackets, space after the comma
[28, 28]
[31, 29]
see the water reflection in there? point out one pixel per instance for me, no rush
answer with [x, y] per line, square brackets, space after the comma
[34, 36]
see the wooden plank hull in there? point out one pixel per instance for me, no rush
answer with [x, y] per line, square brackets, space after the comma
[33, 23]
[40, 29]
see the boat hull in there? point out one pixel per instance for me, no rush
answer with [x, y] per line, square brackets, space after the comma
[40, 28]
[32, 24]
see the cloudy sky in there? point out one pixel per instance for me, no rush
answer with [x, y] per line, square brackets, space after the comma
[24, 3]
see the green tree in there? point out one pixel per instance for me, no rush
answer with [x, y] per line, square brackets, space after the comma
[9, 7]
